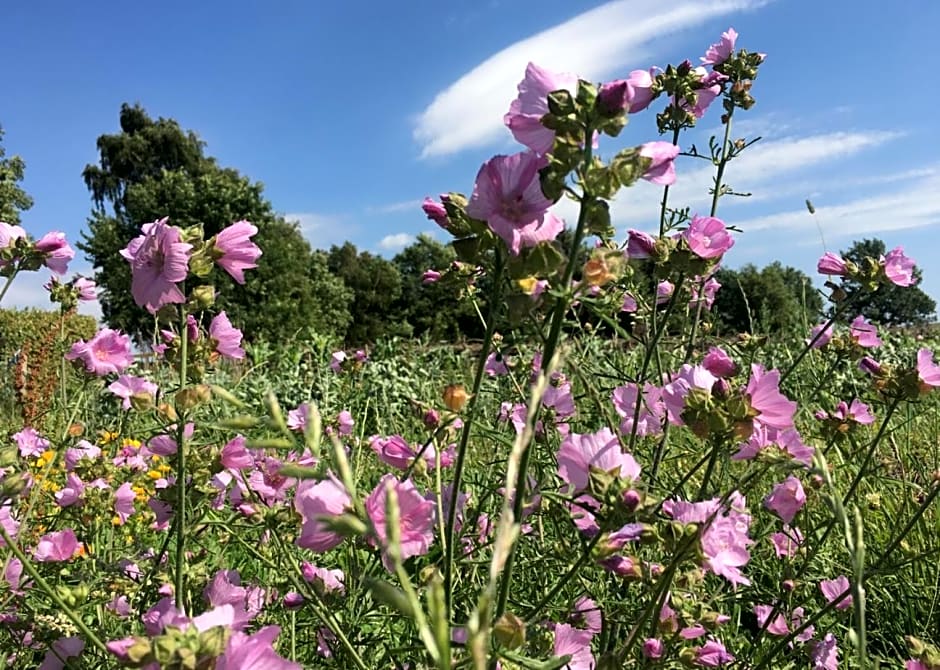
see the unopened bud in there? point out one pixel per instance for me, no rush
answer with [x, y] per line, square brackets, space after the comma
[455, 397]
[203, 296]
[510, 631]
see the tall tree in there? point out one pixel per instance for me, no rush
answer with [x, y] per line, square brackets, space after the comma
[376, 287]
[774, 299]
[13, 199]
[152, 169]
[889, 305]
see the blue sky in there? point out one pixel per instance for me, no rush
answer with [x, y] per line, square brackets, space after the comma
[350, 113]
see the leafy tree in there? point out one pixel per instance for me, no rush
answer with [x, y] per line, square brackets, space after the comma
[376, 288]
[890, 305]
[152, 169]
[774, 299]
[433, 309]
[13, 199]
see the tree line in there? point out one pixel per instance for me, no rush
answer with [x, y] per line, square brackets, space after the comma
[154, 168]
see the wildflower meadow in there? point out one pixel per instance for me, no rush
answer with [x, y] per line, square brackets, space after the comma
[600, 481]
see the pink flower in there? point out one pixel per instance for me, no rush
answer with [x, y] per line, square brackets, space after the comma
[496, 365]
[721, 51]
[226, 339]
[664, 291]
[430, 276]
[704, 292]
[576, 643]
[915, 664]
[579, 454]
[124, 502]
[764, 392]
[819, 336]
[776, 627]
[56, 546]
[416, 518]
[613, 98]
[393, 450]
[653, 648]
[508, 196]
[787, 542]
[825, 654]
[834, 588]
[234, 251]
[323, 579]
[587, 615]
[297, 418]
[314, 501]
[652, 412]
[786, 499]
[898, 268]
[704, 96]
[344, 422]
[787, 440]
[30, 443]
[235, 456]
[254, 652]
[719, 363]
[678, 387]
[832, 265]
[662, 169]
[86, 289]
[865, 334]
[109, 351]
[870, 366]
[127, 387]
[927, 371]
[9, 524]
[9, 234]
[641, 85]
[629, 304]
[56, 251]
[159, 260]
[436, 211]
[524, 118]
[60, 651]
[640, 245]
[337, 360]
[71, 493]
[857, 412]
[707, 237]
[712, 654]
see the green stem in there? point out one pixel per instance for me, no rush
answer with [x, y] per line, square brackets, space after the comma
[89, 634]
[6, 285]
[560, 584]
[662, 208]
[180, 570]
[63, 369]
[871, 451]
[468, 423]
[548, 354]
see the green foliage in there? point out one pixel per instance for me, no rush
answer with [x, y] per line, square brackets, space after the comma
[153, 169]
[774, 299]
[890, 305]
[30, 353]
[376, 287]
[13, 199]
[432, 310]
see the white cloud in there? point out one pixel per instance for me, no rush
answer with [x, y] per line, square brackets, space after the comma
[394, 207]
[758, 170]
[612, 38]
[396, 241]
[916, 206]
[323, 230]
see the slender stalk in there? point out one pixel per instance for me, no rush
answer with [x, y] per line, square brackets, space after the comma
[496, 298]
[180, 570]
[548, 355]
[560, 584]
[662, 208]
[89, 634]
[6, 286]
[871, 451]
[63, 369]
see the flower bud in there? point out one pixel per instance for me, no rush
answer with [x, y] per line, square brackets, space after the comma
[455, 397]
[203, 296]
[509, 631]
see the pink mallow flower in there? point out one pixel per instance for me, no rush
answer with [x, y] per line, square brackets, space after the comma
[524, 118]
[819, 336]
[508, 196]
[712, 654]
[863, 333]
[928, 372]
[314, 501]
[640, 245]
[109, 351]
[234, 251]
[436, 211]
[85, 288]
[774, 409]
[834, 588]
[56, 252]
[159, 260]
[226, 339]
[60, 651]
[57, 546]
[579, 454]
[832, 265]
[707, 237]
[415, 513]
[30, 443]
[719, 363]
[824, 654]
[124, 502]
[898, 268]
[254, 652]
[128, 387]
[721, 50]
[652, 412]
[857, 412]
[576, 643]
[786, 499]
[662, 168]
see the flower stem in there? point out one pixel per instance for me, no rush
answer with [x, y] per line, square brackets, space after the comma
[180, 570]
[6, 286]
[468, 423]
[89, 634]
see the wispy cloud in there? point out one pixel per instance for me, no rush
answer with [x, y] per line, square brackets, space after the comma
[395, 207]
[396, 241]
[915, 206]
[761, 170]
[323, 230]
[469, 112]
